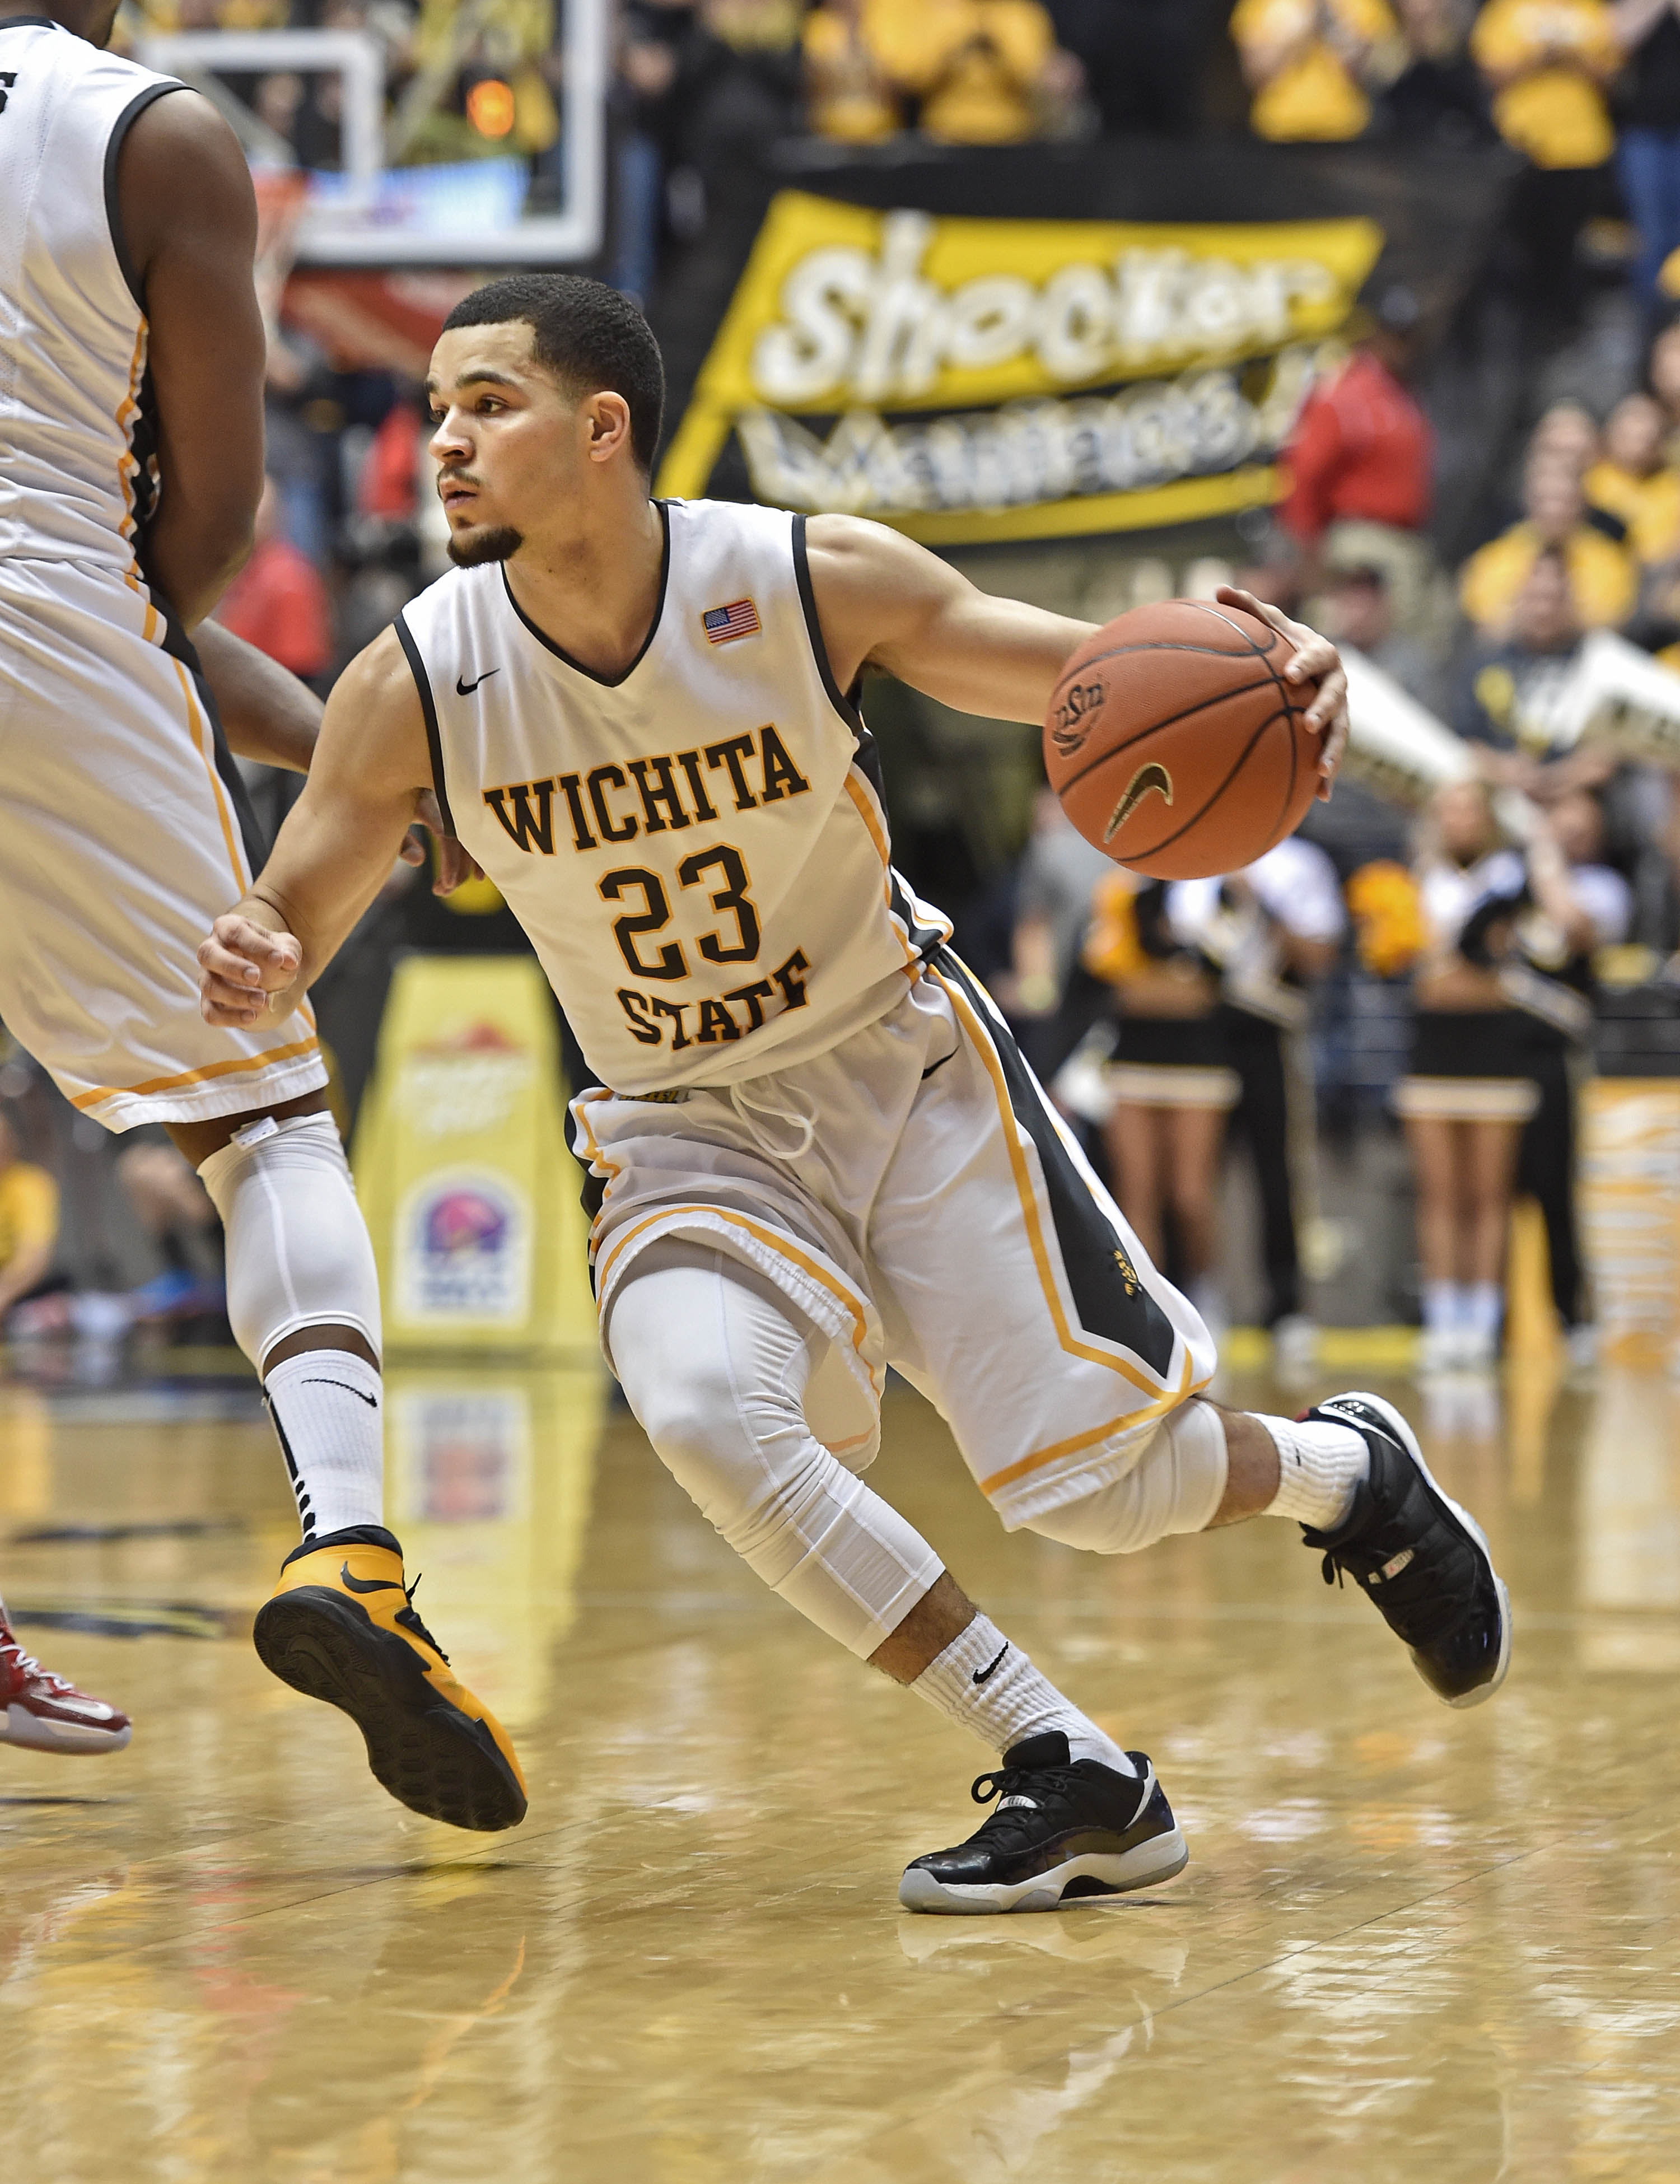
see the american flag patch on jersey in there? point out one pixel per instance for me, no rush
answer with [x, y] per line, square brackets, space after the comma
[723, 625]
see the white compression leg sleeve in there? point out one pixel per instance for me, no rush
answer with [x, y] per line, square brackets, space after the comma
[298, 1256]
[1176, 1485]
[715, 1362]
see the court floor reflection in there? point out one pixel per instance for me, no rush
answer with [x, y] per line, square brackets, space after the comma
[1411, 1945]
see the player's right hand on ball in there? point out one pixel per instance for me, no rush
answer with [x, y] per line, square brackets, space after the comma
[243, 967]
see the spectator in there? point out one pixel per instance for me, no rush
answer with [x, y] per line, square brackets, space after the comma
[1310, 64]
[28, 1225]
[649, 34]
[1633, 480]
[1438, 98]
[1568, 432]
[1598, 575]
[1142, 59]
[1584, 905]
[1648, 155]
[278, 602]
[850, 96]
[1362, 450]
[1467, 1093]
[1547, 63]
[1509, 708]
[1171, 1079]
[1662, 376]
[985, 71]
[1272, 930]
[1358, 610]
[1053, 998]
[736, 90]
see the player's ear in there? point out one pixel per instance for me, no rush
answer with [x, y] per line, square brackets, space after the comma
[608, 417]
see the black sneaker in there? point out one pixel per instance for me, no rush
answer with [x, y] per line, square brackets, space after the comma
[1065, 1829]
[1420, 1560]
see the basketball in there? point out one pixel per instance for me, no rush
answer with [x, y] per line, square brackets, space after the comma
[1176, 744]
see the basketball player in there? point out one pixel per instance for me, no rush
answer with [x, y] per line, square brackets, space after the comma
[820, 1153]
[131, 462]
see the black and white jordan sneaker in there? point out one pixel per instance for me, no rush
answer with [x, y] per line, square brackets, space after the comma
[1421, 1559]
[1065, 1829]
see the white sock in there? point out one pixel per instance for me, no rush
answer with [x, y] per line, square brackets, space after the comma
[1441, 1307]
[326, 1408]
[1319, 1467]
[989, 1686]
[1483, 1308]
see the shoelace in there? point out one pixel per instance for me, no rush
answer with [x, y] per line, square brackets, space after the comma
[409, 1618]
[800, 1116]
[1021, 1793]
[25, 1666]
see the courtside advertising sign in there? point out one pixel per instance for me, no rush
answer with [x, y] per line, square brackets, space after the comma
[982, 379]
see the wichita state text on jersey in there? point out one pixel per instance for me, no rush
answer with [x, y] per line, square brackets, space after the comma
[696, 848]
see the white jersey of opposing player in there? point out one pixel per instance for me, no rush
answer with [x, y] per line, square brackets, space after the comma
[697, 848]
[77, 470]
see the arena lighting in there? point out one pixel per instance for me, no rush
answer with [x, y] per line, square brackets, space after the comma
[355, 230]
[490, 107]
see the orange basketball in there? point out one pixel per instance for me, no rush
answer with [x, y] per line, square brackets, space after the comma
[1174, 743]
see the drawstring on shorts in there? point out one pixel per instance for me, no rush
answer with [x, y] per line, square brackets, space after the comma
[801, 1117]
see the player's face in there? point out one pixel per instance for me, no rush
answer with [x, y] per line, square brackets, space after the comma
[504, 439]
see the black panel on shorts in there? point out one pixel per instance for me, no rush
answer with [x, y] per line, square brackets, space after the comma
[1110, 1300]
[179, 646]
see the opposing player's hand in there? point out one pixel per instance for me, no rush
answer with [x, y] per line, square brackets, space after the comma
[245, 970]
[453, 864]
[1316, 660]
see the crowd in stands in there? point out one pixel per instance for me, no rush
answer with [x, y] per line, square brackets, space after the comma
[1463, 934]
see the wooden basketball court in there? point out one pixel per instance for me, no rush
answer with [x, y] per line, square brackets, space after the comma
[1412, 1947]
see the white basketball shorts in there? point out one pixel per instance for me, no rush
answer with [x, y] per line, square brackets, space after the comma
[120, 842]
[913, 1193]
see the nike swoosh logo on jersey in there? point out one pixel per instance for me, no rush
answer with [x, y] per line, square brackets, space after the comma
[984, 1675]
[367, 1584]
[372, 1401]
[466, 690]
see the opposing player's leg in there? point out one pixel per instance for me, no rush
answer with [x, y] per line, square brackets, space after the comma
[303, 1299]
[43, 1713]
[721, 1369]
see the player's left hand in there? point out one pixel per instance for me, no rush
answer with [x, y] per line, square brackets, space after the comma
[1315, 660]
[453, 864]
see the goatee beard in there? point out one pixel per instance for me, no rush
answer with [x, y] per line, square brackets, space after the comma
[499, 544]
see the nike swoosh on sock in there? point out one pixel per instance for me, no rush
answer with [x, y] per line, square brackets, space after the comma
[372, 1401]
[983, 1675]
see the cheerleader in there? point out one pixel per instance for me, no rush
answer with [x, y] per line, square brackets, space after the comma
[1470, 1091]
[1170, 1080]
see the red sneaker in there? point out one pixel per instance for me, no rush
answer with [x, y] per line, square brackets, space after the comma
[44, 1714]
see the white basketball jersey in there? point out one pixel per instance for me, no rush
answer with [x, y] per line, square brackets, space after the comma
[697, 848]
[77, 469]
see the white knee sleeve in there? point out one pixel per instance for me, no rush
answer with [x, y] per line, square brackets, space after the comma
[297, 1248]
[715, 1362]
[1176, 1485]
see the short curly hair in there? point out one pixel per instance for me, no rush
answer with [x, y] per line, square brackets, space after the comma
[590, 337]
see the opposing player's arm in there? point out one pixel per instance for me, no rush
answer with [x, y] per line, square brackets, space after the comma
[188, 224]
[335, 849]
[885, 602]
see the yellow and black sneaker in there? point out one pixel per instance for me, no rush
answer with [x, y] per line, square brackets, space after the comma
[342, 1627]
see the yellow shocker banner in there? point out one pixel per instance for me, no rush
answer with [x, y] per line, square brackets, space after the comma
[967, 379]
[461, 1165]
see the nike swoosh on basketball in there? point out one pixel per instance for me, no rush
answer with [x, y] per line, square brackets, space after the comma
[367, 1584]
[1151, 779]
[981, 1675]
[372, 1401]
[466, 690]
